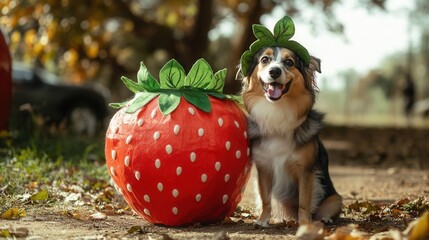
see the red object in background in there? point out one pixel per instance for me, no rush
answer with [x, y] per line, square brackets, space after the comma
[5, 83]
[184, 168]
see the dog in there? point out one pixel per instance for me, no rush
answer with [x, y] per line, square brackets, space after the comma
[279, 94]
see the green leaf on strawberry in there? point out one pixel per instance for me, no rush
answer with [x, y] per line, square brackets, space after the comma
[200, 99]
[195, 87]
[141, 99]
[130, 84]
[219, 81]
[172, 75]
[168, 102]
[146, 79]
[200, 76]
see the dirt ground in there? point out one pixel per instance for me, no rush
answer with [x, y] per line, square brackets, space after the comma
[379, 165]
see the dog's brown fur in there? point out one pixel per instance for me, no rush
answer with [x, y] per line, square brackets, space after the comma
[291, 161]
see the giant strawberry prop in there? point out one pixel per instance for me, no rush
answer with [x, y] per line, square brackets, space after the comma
[178, 151]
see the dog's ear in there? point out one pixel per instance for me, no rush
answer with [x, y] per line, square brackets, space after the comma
[315, 64]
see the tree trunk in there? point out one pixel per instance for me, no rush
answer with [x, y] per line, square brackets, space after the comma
[241, 42]
[425, 52]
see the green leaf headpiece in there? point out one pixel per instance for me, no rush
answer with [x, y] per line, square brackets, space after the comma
[283, 32]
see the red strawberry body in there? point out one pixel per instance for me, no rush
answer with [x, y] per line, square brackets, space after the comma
[184, 168]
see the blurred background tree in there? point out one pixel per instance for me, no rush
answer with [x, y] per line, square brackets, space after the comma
[104, 39]
[101, 40]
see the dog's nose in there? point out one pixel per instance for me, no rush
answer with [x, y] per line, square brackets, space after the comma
[275, 72]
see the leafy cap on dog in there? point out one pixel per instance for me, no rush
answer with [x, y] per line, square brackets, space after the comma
[283, 32]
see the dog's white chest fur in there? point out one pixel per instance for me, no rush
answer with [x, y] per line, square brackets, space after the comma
[272, 151]
[276, 127]
[271, 154]
[277, 144]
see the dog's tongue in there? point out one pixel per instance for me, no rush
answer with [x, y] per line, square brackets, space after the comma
[274, 90]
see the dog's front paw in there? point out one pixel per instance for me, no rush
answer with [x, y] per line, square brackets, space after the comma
[261, 224]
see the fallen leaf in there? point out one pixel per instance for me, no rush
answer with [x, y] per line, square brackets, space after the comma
[227, 220]
[420, 231]
[165, 236]
[348, 232]
[20, 232]
[43, 195]
[136, 229]
[222, 235]
[314, 231]
[14, 232]
[418, 206]
[13, 213]
[2, 189]
[98, 216]
[393, 234]
[291, 224]
[72, 197]
[78, 216]
[403, 201]
[5, 233]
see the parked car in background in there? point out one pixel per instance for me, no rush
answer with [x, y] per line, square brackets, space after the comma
[5, 82]
[41, 93]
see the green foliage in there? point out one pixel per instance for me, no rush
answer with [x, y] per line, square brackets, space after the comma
[32, 161]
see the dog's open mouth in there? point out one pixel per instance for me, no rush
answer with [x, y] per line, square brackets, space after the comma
[274, 91]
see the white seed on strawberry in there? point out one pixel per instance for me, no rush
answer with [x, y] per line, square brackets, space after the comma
[157, 163]
[217, 166]
[137, 175]
[176, 129]
[175, 193]
[178, 171]
[226, 178]
[200, 132]
[140, 122]
[224, 199]
[228, 145]
[175, 210]
[220, 122]
[128, 140]
[146, 211]
[193, 157]
[204, 178]
[238, 154]
[127, 161]
[191, 111]
[153, 113]
[156, 135]
[160, 187]
[198, 197]
[168, 149]
[129, 188]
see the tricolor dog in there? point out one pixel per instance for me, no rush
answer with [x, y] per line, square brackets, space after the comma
[279, 92]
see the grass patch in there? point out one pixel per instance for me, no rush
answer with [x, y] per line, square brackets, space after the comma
[48, 160]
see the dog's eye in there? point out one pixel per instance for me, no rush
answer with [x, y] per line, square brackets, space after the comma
[289, 62]
[265, 60]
